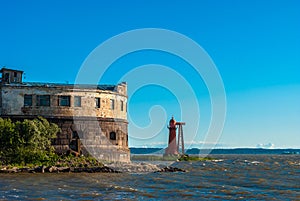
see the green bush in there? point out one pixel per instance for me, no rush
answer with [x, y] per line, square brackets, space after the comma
[27, 142]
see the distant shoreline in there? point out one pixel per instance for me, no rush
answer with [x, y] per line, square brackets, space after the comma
[160, 151]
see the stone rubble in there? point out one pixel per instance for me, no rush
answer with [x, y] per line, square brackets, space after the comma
[54, 169]
[133, 167]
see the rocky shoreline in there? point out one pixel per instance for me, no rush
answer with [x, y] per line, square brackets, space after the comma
[121, 168]
[54, 169]
[171, 169]
[143, 167]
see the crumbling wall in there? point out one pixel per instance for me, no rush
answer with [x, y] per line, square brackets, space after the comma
[13, 102]
[91, 124]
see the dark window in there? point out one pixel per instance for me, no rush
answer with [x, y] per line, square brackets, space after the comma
[112, 104]
[122, 106]
[6, 77]
[112, 136]
[64, 101]
[27, 100]
[15, 74]
[77, 101]
[43, 100]
[75, 135]
[97, 102]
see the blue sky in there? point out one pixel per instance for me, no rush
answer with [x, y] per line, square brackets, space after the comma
[254, 44]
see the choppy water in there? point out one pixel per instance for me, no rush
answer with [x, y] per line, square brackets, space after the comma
[247, 177]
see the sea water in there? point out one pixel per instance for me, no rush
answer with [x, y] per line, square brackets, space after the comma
[228, 177]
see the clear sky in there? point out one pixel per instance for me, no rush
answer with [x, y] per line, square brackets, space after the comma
[254, 44]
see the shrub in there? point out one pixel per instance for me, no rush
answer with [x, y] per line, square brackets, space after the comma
[26, 142]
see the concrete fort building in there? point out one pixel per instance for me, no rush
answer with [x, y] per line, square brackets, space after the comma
[92, 118]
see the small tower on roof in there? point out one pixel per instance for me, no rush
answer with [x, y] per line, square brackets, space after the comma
[11, 76]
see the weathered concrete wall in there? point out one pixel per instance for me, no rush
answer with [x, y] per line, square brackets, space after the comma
[94, 136]
[13, 101]
[93, 125]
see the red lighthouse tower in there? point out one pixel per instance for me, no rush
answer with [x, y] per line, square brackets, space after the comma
[172, 146]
